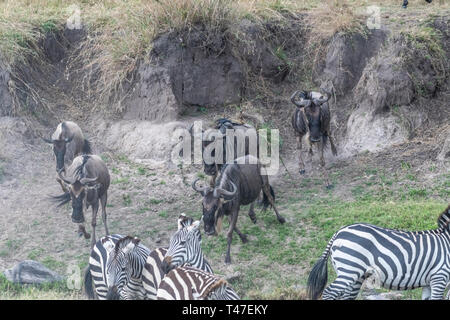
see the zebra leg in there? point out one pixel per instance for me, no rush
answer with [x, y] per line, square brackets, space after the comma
[339, 288]
[352, 292]
[103, 200]
[438, 284]
[301, 164]
[251, 213]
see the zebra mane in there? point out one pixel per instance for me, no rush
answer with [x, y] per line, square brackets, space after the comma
[122, 243]
[214, 286]
[444, 218]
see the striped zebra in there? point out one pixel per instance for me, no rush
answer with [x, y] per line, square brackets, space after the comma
[398, 260]
[185, 248]
[153, 269]
[115, 268]
[188, 283]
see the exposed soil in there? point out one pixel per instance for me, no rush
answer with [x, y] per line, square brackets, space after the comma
[148, 192]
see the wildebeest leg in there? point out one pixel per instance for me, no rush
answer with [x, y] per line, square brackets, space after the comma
[63, 187]
[322, 165]
[251, 213]
[103, 200]
[94, 222]
[266, 190]
[82, 231]
[240, 234]
[301, 164]
[333, 147]
[233, 220]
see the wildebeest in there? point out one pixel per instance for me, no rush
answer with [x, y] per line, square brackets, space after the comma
[405, 3]
[238, 184]
[87, 181]
[68, 142]
[212, 168]
[312, 119]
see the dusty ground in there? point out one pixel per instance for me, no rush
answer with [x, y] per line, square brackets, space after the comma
[146, 196]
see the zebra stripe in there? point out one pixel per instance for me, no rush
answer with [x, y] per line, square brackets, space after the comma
[152, 273]
[188, 283]
[185, 248]
[399, 260]
[97, 262]
[111, 267]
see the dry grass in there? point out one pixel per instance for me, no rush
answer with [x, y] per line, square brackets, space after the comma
[121, 32]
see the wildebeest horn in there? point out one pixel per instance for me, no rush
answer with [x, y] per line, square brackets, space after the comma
[322, 100]
[86, 181]
[64, 179]
[227, 195]
[67, 140]
[199, 190]
[47, 140]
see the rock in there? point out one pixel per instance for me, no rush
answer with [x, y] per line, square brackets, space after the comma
[185, 69]
[385, 296]
[346, 58]
[31, 272]
[257, 53]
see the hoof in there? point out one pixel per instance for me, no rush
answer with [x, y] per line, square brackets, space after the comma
[302, 171]
[87, 235]
[329, 186]
[227, 261]
[281, 220]
[80, 234]
[244, 239]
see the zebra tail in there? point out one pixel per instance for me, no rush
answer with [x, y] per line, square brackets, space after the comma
[87, 149]
[88, 289]
[318, 276]
[266, 201]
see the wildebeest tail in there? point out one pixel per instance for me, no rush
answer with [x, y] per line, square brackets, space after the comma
[318, 276]
[88, 288]
[266, 201]
[87, 149]
[61, 199]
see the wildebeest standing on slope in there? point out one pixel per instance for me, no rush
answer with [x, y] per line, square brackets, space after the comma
[312, 119]
[239, 183]
[87, 181]
[238, 129]
[68, 142]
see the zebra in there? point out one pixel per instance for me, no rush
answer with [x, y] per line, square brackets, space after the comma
[115, 267]
[185, 248]
[188, 283]
[153, 269]
[398, 260]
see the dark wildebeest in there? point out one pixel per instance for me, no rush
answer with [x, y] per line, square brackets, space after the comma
[87, 181]
[238, 184]
[312, 118]
[405, 3]
[68, 142]
[239, 131]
